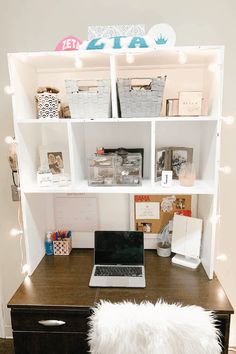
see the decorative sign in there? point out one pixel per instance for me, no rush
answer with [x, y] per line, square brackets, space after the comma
[115, 30]
[123, 37]
[163, 34]
[69, 43]
[190, 103]
[120, 42]
[166, 178]
[106, 38]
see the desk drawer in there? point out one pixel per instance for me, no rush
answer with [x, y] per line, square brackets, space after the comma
[50, 343]
[50, 320]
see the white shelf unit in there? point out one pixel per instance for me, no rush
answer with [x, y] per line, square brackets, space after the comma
[78, 138]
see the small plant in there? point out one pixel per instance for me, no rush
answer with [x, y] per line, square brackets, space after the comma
[164, 244]
[165, 239]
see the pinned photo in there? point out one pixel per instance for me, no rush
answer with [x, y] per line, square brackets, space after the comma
[180, 203]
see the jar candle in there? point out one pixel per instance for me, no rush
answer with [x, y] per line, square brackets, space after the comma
[187, 175]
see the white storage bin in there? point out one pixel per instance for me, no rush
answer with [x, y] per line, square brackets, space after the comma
[138, 100]
[89, 99]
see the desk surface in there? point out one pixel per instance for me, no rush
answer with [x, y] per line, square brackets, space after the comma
[62, 281]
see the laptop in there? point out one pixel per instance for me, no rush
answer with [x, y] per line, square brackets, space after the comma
[118, 259]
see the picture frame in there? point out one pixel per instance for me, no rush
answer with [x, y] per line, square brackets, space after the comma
[171, 159]
[56, 159]
[162, 161]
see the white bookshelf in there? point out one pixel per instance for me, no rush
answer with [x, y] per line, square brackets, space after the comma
[80, 137]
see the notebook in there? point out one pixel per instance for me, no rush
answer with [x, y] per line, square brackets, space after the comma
[118, 259]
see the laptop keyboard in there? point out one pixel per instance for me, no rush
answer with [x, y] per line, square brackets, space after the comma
[117, 271]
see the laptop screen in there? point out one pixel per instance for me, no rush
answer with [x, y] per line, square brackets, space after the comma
[119, 247]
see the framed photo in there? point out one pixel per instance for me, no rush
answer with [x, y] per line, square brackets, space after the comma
[162, 161]
[171, 159]
[55, 158]
[55, 162]
[180, 156]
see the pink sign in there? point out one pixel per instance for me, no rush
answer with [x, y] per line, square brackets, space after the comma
[69, 43]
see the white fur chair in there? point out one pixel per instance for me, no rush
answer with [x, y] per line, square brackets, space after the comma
[128, 328]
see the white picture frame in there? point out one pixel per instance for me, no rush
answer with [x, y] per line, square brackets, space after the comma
[59, 155]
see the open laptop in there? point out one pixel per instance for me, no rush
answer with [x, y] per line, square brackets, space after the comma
[118, 259]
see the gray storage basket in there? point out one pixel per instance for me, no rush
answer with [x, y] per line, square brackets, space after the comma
[141, 103]
[89, 104]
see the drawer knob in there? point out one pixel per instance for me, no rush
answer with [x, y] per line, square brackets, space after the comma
[51, 323]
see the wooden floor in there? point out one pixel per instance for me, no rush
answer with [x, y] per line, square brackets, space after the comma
[6, 347]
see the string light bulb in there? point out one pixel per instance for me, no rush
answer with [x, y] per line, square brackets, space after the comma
[130, 58]
[182, 57]
[15, 232]
[25, 269]
[9, 140]
[222, 257]
[23, 57]
[8, 90]
[79, 63]
[213, 67]
[229, 120]
[215, 219]
[225, 169]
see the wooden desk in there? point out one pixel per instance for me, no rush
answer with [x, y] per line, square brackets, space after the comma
[59, 290]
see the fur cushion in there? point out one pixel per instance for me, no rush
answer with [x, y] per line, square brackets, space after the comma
[129, 328]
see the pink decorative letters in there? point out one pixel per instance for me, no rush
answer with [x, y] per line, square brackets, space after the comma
[69, 43]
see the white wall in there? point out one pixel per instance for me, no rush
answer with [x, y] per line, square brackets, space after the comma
[31, 25]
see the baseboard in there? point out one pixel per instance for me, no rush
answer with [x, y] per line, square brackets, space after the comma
[8, 332]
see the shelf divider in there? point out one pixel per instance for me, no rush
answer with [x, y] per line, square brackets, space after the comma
[114, 95]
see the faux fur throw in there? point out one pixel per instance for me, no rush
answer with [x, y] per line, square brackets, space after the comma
[129, 328]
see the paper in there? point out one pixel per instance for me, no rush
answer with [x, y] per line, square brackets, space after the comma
[146, 211]
[76, 213]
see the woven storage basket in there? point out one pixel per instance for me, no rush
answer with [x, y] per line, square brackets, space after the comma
[142, 102]
[47, 105]
[62, 248]
[89, 104]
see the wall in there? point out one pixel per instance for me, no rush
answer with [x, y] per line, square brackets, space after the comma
[30, 25]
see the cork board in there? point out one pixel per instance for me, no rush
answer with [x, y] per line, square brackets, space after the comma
[167, 206]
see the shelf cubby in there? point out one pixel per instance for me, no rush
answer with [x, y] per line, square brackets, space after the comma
[31, 138]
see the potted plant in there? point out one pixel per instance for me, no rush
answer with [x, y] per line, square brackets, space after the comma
[164, 243]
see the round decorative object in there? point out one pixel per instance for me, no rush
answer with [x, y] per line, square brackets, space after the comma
[69, 43]
[167, 204]
[163, 34]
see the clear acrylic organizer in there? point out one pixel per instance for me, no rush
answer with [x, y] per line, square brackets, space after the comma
[113, 169]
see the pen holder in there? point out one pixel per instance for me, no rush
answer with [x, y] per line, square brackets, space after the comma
[62, 248]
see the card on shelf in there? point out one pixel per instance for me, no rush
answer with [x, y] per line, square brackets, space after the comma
[166, 178]
[190, 103]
